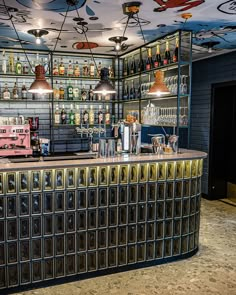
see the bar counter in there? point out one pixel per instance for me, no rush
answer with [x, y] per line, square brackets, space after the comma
[78, 218]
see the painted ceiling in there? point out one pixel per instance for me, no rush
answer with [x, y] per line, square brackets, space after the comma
[211, 21]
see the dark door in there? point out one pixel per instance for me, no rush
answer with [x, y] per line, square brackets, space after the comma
[222, 161]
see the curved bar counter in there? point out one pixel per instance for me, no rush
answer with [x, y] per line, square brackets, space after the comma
[75, 217]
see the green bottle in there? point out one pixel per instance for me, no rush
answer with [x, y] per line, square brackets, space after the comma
[69, 90]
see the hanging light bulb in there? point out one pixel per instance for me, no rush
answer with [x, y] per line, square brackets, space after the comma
[38, 40]
[118, 41]
[37, 33]
[159, 87]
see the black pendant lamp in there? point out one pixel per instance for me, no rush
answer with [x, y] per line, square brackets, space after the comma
[104, 86]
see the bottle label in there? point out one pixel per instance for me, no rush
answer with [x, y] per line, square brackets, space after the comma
[175, 58]
[57, 119]
[100, 117]
[148, 67]
[61, 70]
[107, 118]
[156, 64]
[76, 92]
[55, 71]
[77, 119]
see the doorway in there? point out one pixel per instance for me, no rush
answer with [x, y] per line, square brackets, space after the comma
[222, 159]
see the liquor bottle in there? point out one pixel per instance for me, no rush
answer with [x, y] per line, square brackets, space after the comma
[167, 58]
[149, 62]
[46, 65]
[15, 92]
[55, 68]
[56, 91]
[90, 93]
[91, 68]
[18, 66]
[61, 68]
[11, 63]
[76, 90]
[100, 115]
[23, 91]
[4, 63]
[111, 72]
[176, 51]
[63, 115]
[157, 60]
[77, 115]
[71, 116]
[133, 67]
[69, 91]
[91, 116]
[83, 93]
[141, 66]
[61, 91]
[107, 116]
[85, 69]
[85, 115]
[6, 93]
[76, 69]
[25, 68]
[70, 70]
[125, 71]
[99, 69]
[57, 116]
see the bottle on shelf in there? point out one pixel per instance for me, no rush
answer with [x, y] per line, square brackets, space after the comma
[57, 116]
[63, 115]
[126, 70]
[167, 57]
[69, 91]
[6, 93]
[77, 115]
[149, 62]
[71, 115]
[4, 62]
[176, 51]
[157, 59]
[18, 69]
[61, 91]
[107, 116]
[91, 115]
[70, 70]
[76, 69]
[85, 69]
[132, 93]
[83, 93]
[11, 63]
[119, 145]
[141, 66]
[55, 71]
[90, 93]
[111, 72]
[46, 65]
[85, 115]
[56, 91]
[76, 90]
[91, 69]
[133, 66]
[99, 69]
[126, 92]
[100, 115]
[61, 68]
[23, 91]
[25, 68]
[15, 92]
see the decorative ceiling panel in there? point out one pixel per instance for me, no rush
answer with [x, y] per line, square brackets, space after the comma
[213, 23]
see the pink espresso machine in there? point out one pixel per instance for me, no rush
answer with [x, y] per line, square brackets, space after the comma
[15, 140]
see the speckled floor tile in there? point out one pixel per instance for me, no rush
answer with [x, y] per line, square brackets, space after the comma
[211, 272]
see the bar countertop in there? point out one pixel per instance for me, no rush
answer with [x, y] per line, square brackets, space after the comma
[183, 154]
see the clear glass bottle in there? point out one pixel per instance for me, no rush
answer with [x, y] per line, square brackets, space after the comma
[57, 116]
[91, 68]
[61, 91]
[91, 115]
[4, 62]
[56, 92]
[77, 115]
[71, 115]
[76, 90]
[15, 92]
[23, 91]
[6, 93]
[70, 70]
[83, 93]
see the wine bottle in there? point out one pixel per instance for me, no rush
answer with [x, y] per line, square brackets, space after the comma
[63, 115]
[167, 58]
[57, 115]
[69, 91]
[18, 66]
[77, 115]
[176, 51]
[61, 91]
[71, 116]
[23, 91]
[157, 60]
[133, 67]
[149, 62]
[100, 115]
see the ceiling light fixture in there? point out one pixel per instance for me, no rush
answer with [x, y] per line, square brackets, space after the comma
[118, 42]
[37, 33]
[159, 87]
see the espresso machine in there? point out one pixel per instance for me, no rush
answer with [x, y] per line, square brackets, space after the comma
[130, 137]
[15, 138]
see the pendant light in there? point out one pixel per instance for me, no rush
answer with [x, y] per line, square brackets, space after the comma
[104, 86]
[159, 87]
[40, 85]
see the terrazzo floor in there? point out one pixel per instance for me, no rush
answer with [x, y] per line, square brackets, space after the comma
[211, 271]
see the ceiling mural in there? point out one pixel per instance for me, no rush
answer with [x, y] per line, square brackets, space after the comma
[212, 21]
